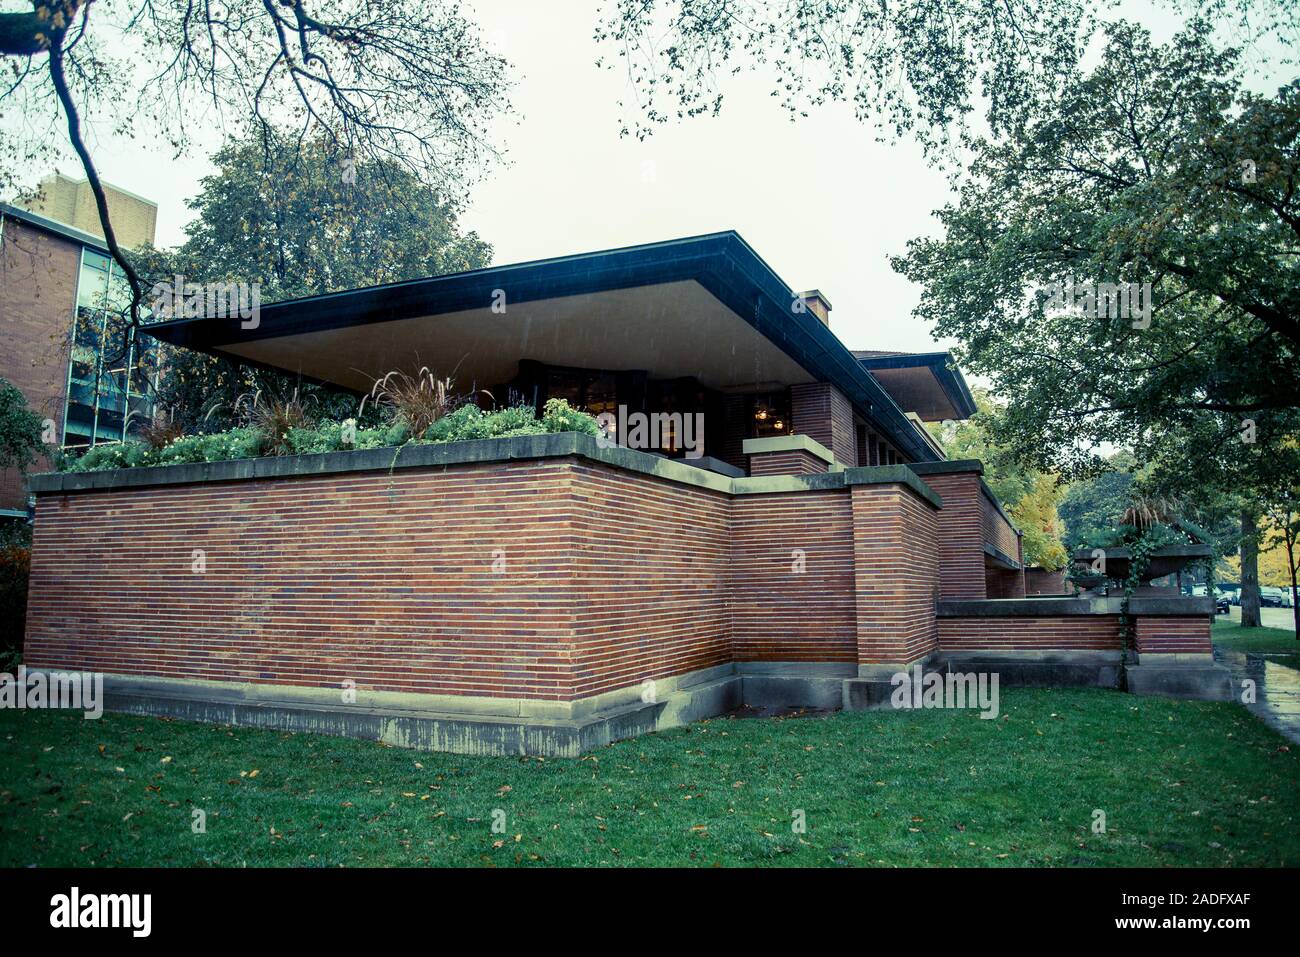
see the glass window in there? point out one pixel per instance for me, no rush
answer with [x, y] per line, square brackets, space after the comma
[110, 368]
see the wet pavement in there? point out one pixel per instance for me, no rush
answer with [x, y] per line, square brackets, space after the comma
[1277, 686]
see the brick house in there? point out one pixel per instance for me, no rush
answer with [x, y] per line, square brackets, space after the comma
[546, 594]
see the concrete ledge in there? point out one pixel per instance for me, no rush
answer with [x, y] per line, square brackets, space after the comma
[947, 467]
[1053, 607]
[482, 725]
[1001, 558]
[711, 464]
[484, 734]
[788, 443]
[873, 688]
[892, 475]
[1196, 682]
[1041, 669]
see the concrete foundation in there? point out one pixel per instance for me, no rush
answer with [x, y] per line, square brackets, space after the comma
[480, 725]
[1041, 669]
[1197, 678]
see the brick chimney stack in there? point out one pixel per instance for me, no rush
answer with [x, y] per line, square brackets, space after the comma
[818, 305]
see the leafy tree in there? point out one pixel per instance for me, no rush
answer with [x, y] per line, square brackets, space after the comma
[287, 220]
[1132, 176]
[20, 429]
[1030, 496]
[1096, 504]
[404, 81]
[910, 67]
[1154, 176]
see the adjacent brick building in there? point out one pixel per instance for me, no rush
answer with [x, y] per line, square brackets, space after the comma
[60, 317]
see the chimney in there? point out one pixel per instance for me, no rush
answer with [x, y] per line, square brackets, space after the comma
[818, 305]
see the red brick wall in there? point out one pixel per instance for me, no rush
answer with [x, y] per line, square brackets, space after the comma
[961, 538]
[997, 532]
[1081, 633]
[649, 576]
[792, 577]
[38, 283]
[896, 565]
[553, 579]
[1190, 635]
[1041, 582]
[1002, 582]
[387, 580]
[791, 462]
[822, 412]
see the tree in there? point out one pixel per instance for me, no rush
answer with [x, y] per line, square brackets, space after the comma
[280, 217]
[1164, 195]
[1030, 496]
[910, 67]
[1094, 505]
[20, 429]
[405, 81]
[1132, 177]
[1283, 538]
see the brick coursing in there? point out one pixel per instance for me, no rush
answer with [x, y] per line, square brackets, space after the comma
[1189, 635]
[791, 577]
[896, 567]
[791, 462]
[550, 579]
[38, 288]
[1091, 633]
[960, 542]
[822, 412]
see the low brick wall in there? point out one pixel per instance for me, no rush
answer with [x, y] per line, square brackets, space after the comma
[1169, 635]
[539, 569]
[1092, 633]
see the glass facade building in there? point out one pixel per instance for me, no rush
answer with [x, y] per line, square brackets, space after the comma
[111, 366]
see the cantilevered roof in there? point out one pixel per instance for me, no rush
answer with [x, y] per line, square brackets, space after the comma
[706, 306]
[926, 383]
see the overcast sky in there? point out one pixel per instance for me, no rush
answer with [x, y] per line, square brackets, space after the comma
[821, 201]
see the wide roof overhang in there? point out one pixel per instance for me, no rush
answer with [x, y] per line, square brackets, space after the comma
[707, 307]
[926, 383]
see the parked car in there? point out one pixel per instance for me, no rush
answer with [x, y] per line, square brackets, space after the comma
[1270, 597]
[1200, 591]
[1222, 604]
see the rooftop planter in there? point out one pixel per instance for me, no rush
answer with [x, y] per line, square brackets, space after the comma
[1166, 560]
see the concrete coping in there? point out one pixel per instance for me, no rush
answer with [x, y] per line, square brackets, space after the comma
[1047, 607]
[788, 443]
[1001, 558]
[479, 451]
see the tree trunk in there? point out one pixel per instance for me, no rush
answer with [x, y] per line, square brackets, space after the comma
[1290, 563]
[1249, 570]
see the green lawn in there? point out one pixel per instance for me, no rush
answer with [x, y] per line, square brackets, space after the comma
[1181, 783]
[1231, 635]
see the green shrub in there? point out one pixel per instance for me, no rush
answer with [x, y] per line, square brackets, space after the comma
[465, 423]
[15, 566]
[559, 416]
